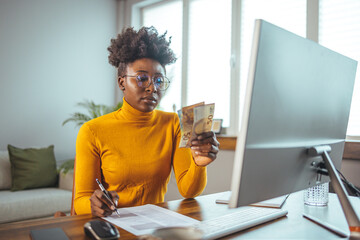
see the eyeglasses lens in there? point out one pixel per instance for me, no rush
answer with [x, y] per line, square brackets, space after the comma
[143, 80]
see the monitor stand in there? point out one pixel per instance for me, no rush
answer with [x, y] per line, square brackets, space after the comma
[350, 214]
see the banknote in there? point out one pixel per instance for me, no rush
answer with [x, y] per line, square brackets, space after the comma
[203, 118]
[195, 119]
[186, 117]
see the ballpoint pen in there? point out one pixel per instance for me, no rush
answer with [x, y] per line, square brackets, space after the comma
[107, 195]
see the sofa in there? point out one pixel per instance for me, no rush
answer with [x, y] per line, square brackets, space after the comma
[34, 202]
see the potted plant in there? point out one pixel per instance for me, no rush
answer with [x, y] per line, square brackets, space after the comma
[94, 111]
[79, 118]
[66, 172]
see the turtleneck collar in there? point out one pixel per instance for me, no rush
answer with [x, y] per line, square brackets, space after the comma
[132, 114]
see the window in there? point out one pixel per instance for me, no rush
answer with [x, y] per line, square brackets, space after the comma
[290, 15]
[208, 65]
[216, 40]
[207, 62]
[168, 17]
[339, 30]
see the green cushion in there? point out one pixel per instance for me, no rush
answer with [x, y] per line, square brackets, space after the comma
[32, 167]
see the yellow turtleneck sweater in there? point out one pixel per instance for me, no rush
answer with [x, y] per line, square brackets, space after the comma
[132, 152]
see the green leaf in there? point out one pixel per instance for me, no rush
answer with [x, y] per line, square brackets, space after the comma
[94, 111]
[66, 166]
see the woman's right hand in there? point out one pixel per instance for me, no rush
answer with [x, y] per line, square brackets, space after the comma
[100, 204]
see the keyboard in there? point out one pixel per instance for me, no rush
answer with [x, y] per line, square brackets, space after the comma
[243, 218]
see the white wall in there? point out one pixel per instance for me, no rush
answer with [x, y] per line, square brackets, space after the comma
[53, 54]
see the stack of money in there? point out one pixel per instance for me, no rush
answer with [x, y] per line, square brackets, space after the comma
[194, 120]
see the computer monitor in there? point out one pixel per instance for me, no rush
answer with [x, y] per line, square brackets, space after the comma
[298, 96]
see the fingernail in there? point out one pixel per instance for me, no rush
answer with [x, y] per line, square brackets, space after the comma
[112, 208]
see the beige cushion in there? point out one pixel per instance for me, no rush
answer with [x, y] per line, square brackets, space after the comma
[33, 203]
[5, 170]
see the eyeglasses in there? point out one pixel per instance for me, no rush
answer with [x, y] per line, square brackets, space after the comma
[143, 80]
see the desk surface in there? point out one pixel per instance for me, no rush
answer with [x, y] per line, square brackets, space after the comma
[294, 225]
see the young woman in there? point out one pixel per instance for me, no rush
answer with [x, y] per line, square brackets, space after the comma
[132, 150]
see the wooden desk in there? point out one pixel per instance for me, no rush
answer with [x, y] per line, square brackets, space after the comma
[201, 208]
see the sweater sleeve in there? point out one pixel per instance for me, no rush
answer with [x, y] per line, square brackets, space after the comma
[191, 179]
[87, 169]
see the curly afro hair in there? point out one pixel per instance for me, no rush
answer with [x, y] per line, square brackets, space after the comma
[131, 45]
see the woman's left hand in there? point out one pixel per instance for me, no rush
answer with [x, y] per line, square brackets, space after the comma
[204, 148]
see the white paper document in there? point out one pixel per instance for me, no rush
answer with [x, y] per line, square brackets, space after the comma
[145, 219]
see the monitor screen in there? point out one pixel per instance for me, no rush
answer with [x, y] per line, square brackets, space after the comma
[298, 95]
